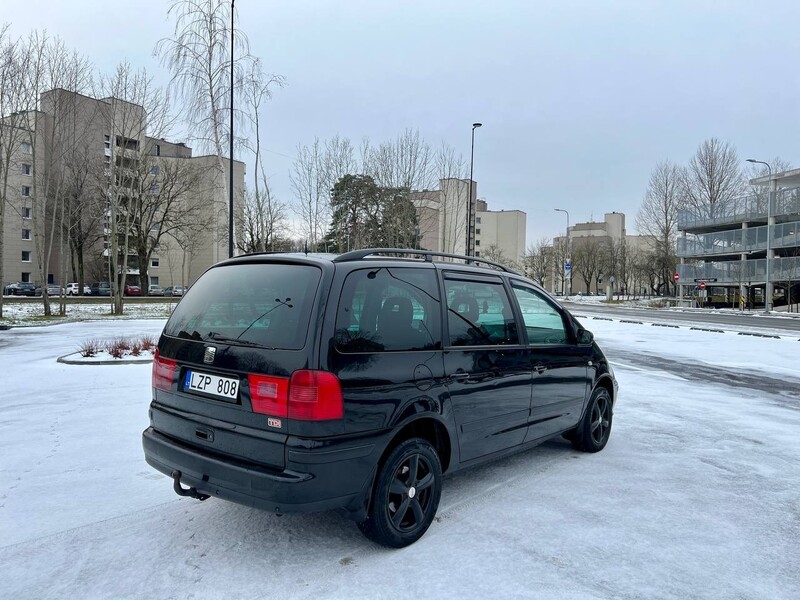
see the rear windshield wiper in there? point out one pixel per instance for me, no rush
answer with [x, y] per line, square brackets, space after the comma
[218, 337]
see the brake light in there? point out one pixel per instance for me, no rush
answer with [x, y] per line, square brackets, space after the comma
[269, 395]
[163, 372]
[307, 396]
[315, 396]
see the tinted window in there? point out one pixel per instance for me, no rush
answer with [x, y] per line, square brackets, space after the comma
[479, 313]
[543, 323]
[388, 309]
[264, 304]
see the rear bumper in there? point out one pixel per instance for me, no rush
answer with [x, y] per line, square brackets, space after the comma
[312, 481]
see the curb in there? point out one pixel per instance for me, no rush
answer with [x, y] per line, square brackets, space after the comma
[120, 361]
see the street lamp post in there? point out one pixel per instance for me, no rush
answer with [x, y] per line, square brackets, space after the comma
[230, 157]
[773, 186]
[469, 192]
[568, 291]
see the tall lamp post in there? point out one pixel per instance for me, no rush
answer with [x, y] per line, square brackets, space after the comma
[469, 193]
[230, 157]
[568, 291]
[773, 186]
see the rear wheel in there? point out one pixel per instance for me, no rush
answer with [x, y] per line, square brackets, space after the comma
[591, 434]
[406, 496]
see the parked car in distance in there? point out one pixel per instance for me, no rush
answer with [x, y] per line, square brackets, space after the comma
[177, 290]
[55, 290]
[132, 290]
[19, 288]
[100, 288]
[155, 290]
[73, 289]
[300, 383]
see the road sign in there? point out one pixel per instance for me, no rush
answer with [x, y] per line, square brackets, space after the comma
[567, 266]
[677, 276]
[706, 279]
[702, 285]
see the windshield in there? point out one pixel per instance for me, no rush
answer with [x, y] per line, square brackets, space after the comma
[267, 305]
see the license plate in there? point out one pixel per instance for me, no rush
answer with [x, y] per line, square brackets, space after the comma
[205, 383]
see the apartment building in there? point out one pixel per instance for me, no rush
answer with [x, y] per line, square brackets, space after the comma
[747, 248]
[81, 170]
[442, 218]
[588, 248]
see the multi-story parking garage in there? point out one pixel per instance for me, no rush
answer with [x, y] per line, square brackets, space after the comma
[745, 249]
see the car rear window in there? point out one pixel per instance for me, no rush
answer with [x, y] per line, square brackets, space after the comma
[268, 305]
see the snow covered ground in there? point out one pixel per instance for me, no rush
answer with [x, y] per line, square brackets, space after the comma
[697, 494]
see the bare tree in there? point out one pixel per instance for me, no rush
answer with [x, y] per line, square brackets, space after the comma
[198, 57]
[451, 171]
[13, 125]
[587, 259]
[49, 65]
[263, 221]
[136, 108]
[713, 178]
[537, 261]
[403, 163]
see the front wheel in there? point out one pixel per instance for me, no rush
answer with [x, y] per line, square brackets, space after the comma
[591, 434]
[406, 496]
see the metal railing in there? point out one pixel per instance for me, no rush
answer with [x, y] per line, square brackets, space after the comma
[740, 272]
[739, 241]
[745, 208]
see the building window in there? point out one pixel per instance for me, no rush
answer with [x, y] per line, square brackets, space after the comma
[477, 232]
[51, 278]
[107, 141]
[26, 190]
[477, 242]
[26, 234]
[26, 256]
[158, 149]
[155, 170]
[26, 212]
[478, 220]
[154, 281]
[25, 148]
[26, 169]
[154, 263]
[26, 278]
[477, 252]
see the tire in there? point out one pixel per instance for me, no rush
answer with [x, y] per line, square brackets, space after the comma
[406, 496]
[592, 433]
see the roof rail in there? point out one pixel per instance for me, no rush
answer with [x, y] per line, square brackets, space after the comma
[426, 254]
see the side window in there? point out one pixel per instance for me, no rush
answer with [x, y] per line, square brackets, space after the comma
[543, 323]
[389, 309]
[479, 313]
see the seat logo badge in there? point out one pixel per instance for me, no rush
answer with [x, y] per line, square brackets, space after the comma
[208, 357]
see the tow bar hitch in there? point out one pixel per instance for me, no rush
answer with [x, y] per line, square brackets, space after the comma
[191, 492]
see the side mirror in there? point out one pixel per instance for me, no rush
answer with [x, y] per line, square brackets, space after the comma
[585, 337]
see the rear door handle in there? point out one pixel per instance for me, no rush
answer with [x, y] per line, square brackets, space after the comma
[460, 375]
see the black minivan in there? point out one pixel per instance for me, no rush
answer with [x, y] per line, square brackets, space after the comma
[303, 382]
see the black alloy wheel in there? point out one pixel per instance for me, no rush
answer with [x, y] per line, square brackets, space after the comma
[593, 431]
[406, 495]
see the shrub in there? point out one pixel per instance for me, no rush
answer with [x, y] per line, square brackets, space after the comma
[136, 349]
[89, 348]
[148, 343]
[117, 347]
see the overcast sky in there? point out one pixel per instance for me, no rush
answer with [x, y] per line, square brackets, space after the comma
[578, 100]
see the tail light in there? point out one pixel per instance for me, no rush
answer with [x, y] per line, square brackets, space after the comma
[163, 372]
[307, 396]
